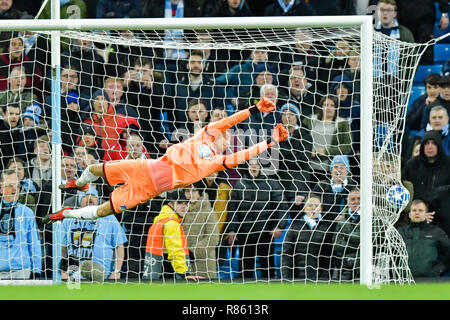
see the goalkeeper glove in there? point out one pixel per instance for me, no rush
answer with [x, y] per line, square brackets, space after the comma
[279, 134]
[264, 105]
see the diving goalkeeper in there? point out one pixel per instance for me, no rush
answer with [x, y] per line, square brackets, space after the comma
[182, 164]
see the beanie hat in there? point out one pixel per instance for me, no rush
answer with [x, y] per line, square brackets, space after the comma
[91, 191]
[293, 108]
[72, 97]
[340, 159]
[33, 111]
[262, 66]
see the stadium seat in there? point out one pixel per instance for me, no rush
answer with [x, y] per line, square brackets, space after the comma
[423, 70]
[416, 91]
[229, 269]
[441, 53]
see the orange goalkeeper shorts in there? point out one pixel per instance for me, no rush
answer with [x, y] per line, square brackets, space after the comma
[138, 187]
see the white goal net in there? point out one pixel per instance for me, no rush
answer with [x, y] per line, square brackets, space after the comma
[290, 214]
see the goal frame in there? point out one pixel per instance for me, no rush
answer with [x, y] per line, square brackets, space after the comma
[365, 24]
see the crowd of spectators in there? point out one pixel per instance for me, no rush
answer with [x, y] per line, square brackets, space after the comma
[120, 101]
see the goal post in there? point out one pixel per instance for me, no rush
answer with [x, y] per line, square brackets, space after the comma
[360, 28]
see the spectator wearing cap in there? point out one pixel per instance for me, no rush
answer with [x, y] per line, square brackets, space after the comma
[167, 253]
[202, 235]
[32, 128]
[443, 99]
[334, 192]
[30, 117]
[17, 91]
[294, 156]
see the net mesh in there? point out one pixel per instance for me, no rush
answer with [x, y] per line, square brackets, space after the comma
[131, 94]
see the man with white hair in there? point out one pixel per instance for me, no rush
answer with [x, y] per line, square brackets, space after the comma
[438, 121]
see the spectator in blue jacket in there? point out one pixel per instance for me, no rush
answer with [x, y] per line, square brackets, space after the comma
[119, 9]
[20, 247]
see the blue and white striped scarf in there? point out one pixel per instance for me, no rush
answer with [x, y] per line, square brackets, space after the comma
[391, 53]
[174, 34]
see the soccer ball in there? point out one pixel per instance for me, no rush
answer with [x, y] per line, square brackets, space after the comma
[398, 196]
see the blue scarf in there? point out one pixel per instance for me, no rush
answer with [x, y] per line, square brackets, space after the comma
[444, 130]
[389, 55]
[354, 215]
[338, 187]
[174, 34]
[285, 7]
[312, 222]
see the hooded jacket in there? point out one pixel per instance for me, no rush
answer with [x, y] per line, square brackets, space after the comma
[431, 181]
[173, 240]
[111, 125]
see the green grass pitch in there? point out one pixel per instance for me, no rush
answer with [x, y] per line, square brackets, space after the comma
[205, 291]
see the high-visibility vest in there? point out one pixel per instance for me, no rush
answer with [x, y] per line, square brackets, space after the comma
[154, 250]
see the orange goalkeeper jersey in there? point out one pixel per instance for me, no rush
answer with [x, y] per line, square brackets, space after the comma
[190, 161]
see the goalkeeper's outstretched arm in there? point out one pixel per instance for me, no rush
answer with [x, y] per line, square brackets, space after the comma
[218, 127]
[279, 134]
